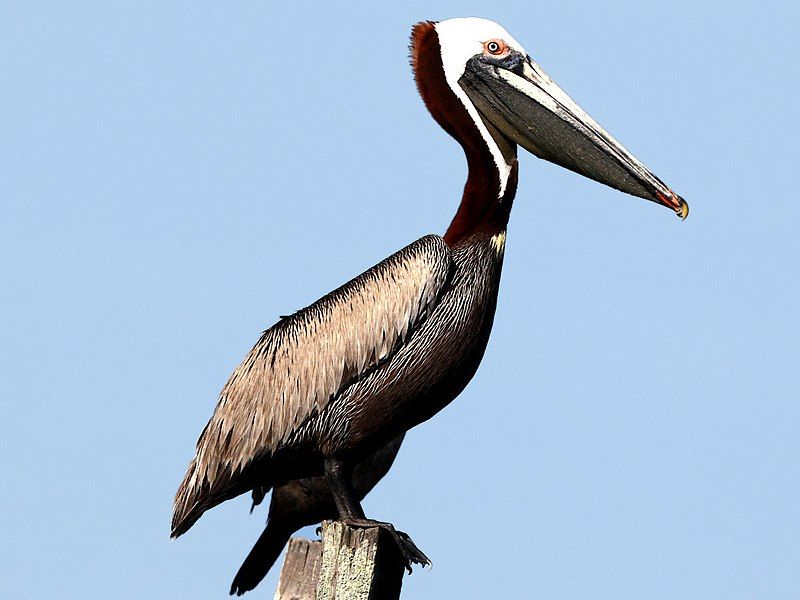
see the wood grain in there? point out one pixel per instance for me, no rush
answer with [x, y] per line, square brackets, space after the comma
[349, 564]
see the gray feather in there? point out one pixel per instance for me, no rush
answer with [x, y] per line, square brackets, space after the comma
[303, 362]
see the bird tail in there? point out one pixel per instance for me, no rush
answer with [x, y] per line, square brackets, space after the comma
[266, 551]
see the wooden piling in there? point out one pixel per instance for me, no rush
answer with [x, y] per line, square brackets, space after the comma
[349, 563]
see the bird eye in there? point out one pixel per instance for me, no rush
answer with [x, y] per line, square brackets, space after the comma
[495, 47]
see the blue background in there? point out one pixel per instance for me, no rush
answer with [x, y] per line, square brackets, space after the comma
[176, 175]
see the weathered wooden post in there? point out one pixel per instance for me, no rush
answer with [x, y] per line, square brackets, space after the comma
[300, 571]
[348, 564]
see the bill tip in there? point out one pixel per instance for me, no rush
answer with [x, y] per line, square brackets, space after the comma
[683, 210]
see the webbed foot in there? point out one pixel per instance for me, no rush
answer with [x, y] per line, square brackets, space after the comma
[408, 549]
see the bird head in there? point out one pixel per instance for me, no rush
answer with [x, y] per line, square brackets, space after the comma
[473, 75]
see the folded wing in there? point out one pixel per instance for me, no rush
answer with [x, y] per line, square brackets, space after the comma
[304, 361]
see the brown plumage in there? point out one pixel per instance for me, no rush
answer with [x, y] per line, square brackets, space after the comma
[277, 397]
[326, 390]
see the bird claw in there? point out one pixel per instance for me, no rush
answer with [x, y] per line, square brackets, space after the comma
[411, 554]
[408, 549]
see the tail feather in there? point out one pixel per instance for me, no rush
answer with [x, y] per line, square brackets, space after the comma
[265, 552]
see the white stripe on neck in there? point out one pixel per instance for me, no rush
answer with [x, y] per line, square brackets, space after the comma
[460, 40]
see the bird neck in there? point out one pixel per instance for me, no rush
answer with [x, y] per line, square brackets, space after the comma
[482, 210]
[491, 158]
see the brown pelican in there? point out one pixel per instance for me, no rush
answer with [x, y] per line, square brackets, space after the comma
[328, 387]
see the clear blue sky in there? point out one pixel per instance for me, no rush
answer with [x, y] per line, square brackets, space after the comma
[175, 175]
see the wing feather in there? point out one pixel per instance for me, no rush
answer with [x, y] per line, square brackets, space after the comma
[305, 360]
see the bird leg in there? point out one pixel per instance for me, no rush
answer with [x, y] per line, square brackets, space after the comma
[351, 513]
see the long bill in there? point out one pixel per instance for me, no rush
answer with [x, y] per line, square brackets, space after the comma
[525, 105]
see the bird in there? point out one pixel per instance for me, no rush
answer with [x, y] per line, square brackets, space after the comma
[329, 387]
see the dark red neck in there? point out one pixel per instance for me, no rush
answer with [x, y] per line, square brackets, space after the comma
[481, 210]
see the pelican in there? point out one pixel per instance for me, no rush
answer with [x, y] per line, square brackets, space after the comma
[331, 388]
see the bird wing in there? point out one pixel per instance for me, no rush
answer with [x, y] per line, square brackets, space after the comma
[304, 361]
